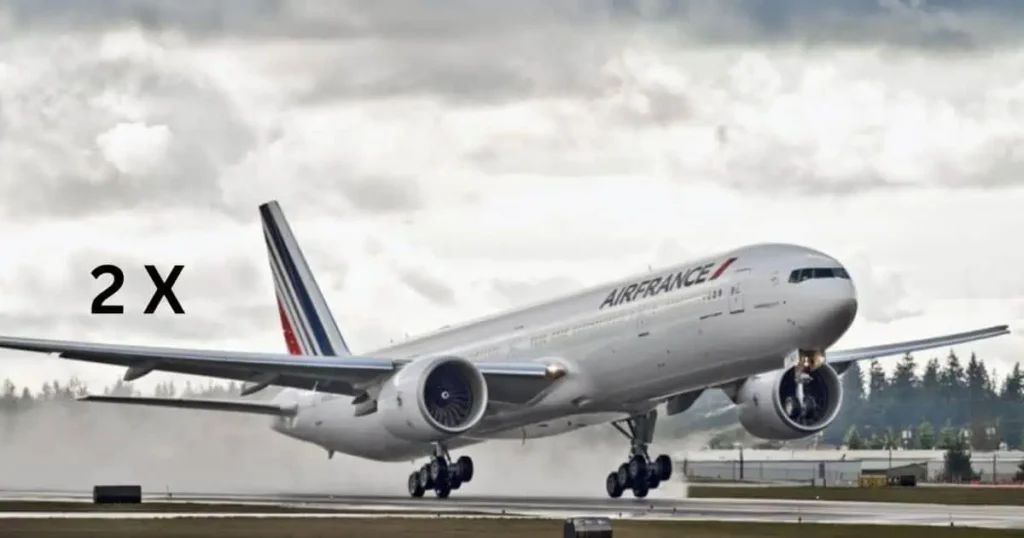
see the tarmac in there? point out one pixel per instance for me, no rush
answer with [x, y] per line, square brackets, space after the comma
[467, 505]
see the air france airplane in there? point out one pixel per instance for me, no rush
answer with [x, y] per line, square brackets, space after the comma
[757, 322]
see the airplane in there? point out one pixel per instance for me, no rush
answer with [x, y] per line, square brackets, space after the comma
[757, 322]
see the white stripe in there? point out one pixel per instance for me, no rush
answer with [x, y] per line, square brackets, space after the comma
[299, 322]
[288, 287]
[320, 308]
[289, 312]
[302, 333]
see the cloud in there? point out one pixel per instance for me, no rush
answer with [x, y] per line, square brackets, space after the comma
[446, 159]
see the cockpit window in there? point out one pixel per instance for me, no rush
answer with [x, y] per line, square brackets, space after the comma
[799, 275]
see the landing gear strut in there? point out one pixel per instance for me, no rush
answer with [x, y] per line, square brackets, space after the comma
[441, 474]
[639, 474]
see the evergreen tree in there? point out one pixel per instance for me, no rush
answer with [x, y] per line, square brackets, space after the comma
[925, 436]
[957, 464]
[953, 385]
[931, 393]
[1011, 407]
[853, 440]
[948, 436]
[878, 410]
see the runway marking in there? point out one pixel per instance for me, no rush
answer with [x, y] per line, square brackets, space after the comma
[483, 507]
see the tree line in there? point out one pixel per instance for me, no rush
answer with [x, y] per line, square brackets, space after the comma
[939, 404]
[926, 407]
[14, 398]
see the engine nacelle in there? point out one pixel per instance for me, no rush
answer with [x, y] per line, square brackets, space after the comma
[433, 399]
[770, 405]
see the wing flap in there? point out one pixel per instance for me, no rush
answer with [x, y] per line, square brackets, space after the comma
[236, 406]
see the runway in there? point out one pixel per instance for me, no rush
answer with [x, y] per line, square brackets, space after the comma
[466, 505]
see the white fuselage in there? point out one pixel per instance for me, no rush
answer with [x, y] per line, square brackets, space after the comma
[631, 345]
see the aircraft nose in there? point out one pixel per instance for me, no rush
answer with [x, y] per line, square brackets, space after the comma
[831, 307]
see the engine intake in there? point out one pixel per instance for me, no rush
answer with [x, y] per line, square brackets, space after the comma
[790, 404]
[433, 399]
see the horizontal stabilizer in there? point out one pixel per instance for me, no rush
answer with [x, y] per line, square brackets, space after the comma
[237, 406]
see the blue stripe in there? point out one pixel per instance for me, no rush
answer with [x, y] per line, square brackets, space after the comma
[291, 308]
[292, 274]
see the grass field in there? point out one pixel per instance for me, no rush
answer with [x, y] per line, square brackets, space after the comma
[453, 528]
[930, 494]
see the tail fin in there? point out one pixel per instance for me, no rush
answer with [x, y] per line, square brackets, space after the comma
[309, 327]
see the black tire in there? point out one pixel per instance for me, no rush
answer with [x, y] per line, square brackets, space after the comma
[415, 487]
[640, 490]
[465, 466]
[637, 470]
[443, 491]
[454, 479]
[653, 480]
[438, 470]
[623, 474]
[663, 464]
[611, 485]
[425, 477]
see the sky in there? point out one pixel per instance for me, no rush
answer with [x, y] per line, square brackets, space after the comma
[441, 160]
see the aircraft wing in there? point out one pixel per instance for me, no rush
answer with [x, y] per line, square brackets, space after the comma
[238, 406]
[841, 359]
[517, 382]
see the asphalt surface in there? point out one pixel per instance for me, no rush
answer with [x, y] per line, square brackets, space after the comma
[559, 507]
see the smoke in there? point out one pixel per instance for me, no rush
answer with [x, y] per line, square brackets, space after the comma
[72, 446]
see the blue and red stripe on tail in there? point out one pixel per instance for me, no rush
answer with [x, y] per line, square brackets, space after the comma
[307, 323]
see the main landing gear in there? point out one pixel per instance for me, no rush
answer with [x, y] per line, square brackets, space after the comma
[440, 474]
[639, 473]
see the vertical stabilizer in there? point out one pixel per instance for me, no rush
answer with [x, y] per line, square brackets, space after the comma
[309, 327]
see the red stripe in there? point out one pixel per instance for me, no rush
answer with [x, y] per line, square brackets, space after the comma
[722, 268]
[289, 335]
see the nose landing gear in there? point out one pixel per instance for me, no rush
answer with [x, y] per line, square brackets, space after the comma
[441, 474]
[639, 473]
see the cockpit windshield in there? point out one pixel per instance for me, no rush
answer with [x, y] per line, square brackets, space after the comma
[799, 275]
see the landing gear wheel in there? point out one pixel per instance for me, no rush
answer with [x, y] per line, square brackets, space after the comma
[443, 491]
[438, 470]
[652, 478]
[663, 464]
[612, 486]
[465, 467]
[640, 490]
[441, 474]
[415, 487]
[623, 475]
[454, 479]
[425, 480]
[637, 469]
[640, 473]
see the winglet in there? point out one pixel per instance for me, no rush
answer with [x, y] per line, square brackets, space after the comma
[309, 328]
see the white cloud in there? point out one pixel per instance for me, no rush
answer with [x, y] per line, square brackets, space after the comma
[444, 170]
[135, 148]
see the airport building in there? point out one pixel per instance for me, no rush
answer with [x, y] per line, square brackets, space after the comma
[835, 467]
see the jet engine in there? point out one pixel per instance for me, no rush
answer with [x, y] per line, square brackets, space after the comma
[434, 399]
[790, 404]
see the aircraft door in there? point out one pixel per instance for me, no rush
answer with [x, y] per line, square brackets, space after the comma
[736, 302]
